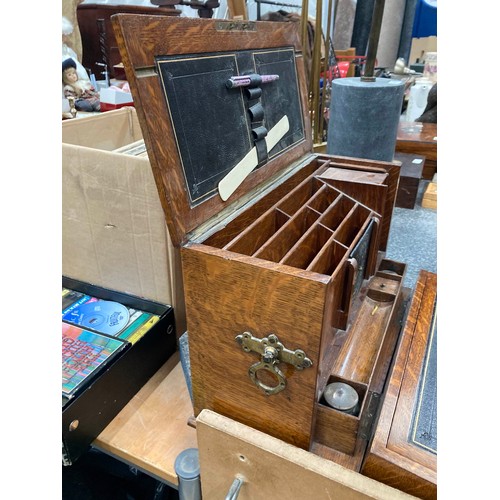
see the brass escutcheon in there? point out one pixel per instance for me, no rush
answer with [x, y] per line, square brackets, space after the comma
[272, 353]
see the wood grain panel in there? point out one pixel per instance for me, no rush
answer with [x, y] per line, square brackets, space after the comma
[227, 297]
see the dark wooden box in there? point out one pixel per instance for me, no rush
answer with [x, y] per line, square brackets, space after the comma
[403, 451]
[98, 38]
[91, 409]
[412, 166]
[286, 268]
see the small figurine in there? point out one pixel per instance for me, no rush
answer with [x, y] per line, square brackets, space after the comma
[72, 110]
[86, 96]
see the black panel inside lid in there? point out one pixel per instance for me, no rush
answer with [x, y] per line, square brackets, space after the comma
[213, 127]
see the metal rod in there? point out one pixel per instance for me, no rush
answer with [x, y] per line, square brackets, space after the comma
[235, 488]
[279, 4]
[303, 20]
[326, 68]
[316, 69]
[371, 55]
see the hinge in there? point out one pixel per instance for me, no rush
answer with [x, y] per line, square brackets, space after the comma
[369, 415]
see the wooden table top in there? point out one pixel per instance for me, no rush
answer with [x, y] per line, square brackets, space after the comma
[421, 139]
[416, 131]
[152, 429]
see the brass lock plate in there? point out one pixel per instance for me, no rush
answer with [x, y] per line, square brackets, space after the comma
[272, 352]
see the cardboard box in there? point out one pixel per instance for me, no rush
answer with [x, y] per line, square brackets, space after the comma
[87, 411]
[114, 233]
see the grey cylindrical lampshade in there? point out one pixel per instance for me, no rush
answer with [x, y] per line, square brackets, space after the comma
[364, 118]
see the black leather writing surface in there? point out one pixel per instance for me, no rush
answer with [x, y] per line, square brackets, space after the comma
[283, 98]
[424, 426]
[213, 127]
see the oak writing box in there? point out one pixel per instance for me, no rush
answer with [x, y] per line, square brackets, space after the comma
[282, 249]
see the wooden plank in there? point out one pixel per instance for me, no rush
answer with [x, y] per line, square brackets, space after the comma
[271, 468]
[228, 297]
[237, 9]
[429, 200]
[153, 428]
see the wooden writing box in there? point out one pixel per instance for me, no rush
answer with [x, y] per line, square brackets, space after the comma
[285, 271]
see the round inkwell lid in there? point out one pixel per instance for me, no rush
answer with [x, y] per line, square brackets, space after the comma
[341, 396]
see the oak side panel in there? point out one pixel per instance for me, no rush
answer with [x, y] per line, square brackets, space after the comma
[228, 294]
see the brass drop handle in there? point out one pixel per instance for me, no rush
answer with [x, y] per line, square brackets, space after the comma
[272, 353]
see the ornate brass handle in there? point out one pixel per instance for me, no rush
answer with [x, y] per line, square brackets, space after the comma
[272, 353]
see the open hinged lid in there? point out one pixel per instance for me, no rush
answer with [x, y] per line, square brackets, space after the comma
[209, 140]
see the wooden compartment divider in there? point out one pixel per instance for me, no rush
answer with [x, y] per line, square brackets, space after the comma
[350, 227]
[310, 228]
[278, 245]
[304, 251]
[254, 236]
[336, 213]
[327, 260]
[301, 195]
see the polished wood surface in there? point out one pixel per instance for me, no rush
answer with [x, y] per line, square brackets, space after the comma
[272, 469]
[391, 459]
[226, 297]
[421, 139]
[363, 363]
[153, 428]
